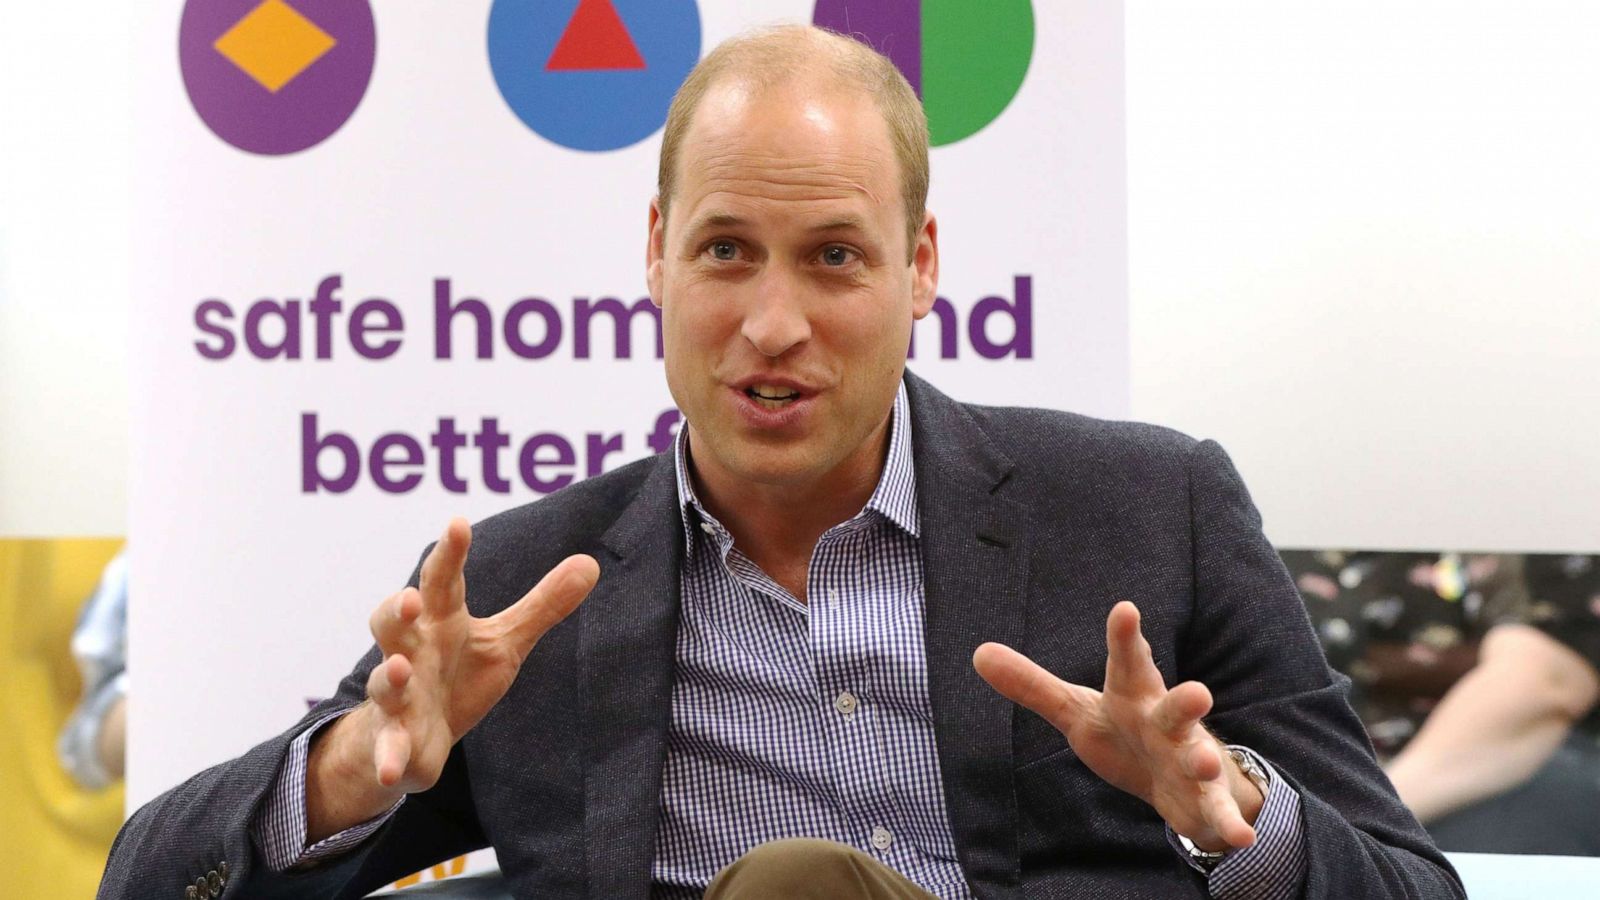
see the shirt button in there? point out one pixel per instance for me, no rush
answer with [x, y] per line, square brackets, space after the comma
[708, 528]
[833, 597]
[882, 838]
[845, 703]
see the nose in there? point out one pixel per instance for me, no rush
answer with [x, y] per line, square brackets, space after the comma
[775, 321]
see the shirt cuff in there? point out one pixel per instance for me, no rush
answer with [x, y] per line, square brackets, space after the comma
[1274, 867]
[279, 826]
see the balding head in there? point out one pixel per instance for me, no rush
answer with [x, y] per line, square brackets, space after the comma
[803, 55]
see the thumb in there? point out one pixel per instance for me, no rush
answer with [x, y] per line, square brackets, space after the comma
[1025, 682]
[558, 593]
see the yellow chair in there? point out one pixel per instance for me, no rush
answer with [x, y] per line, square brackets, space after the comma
[54, 835]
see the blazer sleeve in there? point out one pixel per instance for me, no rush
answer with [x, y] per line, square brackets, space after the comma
[1251, 642]
[195, 828]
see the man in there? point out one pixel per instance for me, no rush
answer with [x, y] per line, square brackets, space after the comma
[787, 617]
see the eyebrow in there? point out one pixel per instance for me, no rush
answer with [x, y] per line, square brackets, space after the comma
[729, 220]
[718, 220]
[841, 223]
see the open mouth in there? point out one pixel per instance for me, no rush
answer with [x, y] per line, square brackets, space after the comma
[769, 396]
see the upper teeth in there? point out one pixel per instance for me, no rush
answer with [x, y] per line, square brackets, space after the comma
[770, 392]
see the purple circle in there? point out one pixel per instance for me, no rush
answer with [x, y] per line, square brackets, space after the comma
[303, 111]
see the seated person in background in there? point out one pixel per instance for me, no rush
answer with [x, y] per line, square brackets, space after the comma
[1478, 680]
[790, 675]
[1404, 626]
[1470, 773]
[92, 741]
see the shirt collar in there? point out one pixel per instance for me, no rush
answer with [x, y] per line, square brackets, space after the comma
[895, 497]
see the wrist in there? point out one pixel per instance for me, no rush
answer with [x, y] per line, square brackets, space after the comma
[1248, 785]
[1247, 782]
[342, 788]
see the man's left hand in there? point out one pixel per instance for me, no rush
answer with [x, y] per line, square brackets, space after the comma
[1138, 735]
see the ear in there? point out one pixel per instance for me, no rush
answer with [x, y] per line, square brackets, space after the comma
[925, 268]
[654, 250]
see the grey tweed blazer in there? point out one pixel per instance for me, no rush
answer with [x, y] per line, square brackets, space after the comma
[1035, 524]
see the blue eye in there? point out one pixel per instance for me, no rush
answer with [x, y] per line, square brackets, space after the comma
[835, 256]
[724, 250]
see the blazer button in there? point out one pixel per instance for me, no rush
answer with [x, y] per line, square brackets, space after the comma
[214, 881]
[189, 893]
[202, 889]
[222, 869]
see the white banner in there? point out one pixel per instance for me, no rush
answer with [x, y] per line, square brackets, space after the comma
[389, 268]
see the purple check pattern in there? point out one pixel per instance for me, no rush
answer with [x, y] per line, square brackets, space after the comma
[805, 719]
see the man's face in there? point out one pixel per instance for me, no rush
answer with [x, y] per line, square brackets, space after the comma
[786, 287]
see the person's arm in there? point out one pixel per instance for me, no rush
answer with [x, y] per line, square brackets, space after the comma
[111, 744]
[1252, 642]
[1498, 725]
[91, 743]
[279, 828]
[435, 672]
[1149, 741]
[1262, 682]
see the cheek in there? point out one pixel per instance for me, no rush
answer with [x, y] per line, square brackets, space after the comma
[875, 331]
[696, 324]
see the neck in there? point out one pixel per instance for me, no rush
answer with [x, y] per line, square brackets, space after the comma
[778, 525]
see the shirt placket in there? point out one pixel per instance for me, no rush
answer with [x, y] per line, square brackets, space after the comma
[743, 575]
[840, 619]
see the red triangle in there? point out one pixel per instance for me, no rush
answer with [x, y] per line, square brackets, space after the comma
[595, 39]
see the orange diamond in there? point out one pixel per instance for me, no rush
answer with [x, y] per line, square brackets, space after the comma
[273, 44]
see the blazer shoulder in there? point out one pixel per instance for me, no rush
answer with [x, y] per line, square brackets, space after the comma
[1048, 440]
[513, 549]
[584, 509]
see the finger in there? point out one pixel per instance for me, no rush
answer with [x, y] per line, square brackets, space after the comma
[393, 754]
[1180, 711]
[1130, 668]
[386, 685]
[556, 595]
[391, 623]
[1222, 813]
[1202, 760]
[441, 581]
[1025, 682]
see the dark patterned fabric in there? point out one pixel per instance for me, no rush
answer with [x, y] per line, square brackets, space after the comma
[1405, 626]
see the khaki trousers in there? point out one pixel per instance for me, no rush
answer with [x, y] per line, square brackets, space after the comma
[811, 869]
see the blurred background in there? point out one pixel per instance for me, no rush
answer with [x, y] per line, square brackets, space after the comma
[1355, 244]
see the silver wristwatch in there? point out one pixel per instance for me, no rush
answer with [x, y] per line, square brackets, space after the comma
[1251, 769]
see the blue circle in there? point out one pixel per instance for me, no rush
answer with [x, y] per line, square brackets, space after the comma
[587, 109]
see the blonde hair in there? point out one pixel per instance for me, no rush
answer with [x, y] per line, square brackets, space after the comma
[771, 56]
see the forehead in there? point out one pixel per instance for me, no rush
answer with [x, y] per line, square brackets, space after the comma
[792, 149]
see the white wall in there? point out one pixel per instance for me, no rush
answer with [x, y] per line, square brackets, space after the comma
[64, 129]
[1363, 249]
[1362, 255]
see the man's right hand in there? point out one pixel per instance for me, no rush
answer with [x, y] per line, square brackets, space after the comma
[442, 671]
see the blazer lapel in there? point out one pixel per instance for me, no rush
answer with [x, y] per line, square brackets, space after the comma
[628, 643]
[975, 574]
